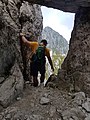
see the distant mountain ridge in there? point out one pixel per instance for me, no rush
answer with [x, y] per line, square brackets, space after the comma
[56, 42]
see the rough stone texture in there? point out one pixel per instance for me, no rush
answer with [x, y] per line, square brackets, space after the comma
[73, 114]
[31, 21]
[63, 106]
[9, 28]
[12, 87]
[44, 101]
[64, 5]
[11, 13]
[9, 52]
[76, 66]
[75, 69]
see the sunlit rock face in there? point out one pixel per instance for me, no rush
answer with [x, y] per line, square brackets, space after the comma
[64, 5]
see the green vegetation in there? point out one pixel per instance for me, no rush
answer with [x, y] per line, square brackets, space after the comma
[57, 59]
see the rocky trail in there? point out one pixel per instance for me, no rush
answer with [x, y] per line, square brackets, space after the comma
[48, 103]
[37, 103]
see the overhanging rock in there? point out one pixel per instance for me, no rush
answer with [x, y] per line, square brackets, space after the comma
[64, 5]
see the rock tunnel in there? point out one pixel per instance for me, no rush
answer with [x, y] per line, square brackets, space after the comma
[76, 66]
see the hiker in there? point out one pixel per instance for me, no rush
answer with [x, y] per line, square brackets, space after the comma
[35, 64]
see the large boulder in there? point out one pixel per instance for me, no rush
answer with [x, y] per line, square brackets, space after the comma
[12, 86]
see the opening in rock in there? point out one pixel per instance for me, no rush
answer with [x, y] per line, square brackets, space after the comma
[57, 28]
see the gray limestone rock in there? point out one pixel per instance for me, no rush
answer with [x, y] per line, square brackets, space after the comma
[44, 101]
[12, 87]
[14, 18]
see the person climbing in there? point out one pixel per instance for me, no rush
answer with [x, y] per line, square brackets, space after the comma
[38, 59]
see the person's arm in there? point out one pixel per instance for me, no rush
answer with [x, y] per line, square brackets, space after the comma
[25, 41]
[49, 59]
[50, 62]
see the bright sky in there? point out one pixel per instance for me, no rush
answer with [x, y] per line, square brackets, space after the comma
[60, 21]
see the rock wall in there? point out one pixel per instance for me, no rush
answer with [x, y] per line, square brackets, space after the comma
[76, 66]
[11, 63]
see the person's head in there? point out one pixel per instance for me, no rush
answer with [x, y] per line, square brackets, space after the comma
[44, 42]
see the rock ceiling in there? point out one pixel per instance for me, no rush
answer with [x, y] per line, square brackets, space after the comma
[64, 5]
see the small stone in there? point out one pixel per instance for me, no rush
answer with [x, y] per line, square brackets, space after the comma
[44, 101]
[86, 106]
[52, 111]
[18, 98]
[8, 117]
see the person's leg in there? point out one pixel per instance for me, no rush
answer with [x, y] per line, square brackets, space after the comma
[42, 78]
[42, 72]
[34, 73]
[35, 81]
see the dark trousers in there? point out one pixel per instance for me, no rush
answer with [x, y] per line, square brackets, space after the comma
[36, 67]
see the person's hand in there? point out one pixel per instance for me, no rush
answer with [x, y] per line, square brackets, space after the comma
[52, 69]
[21, 34]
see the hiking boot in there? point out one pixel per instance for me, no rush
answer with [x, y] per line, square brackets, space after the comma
[35, 82]
[42, 81]
[35, 85]
[27, 82]
[42, 78]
